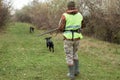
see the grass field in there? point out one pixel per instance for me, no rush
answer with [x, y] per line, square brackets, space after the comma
[24, 56]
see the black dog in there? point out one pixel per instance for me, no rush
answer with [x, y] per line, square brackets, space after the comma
[31, 29]
[49, 44]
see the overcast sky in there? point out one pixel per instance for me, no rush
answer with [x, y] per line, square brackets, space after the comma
[18, 4]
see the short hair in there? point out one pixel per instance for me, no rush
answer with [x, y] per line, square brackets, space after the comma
[71, 4]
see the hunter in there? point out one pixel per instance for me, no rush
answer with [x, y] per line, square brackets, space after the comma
[70, 25]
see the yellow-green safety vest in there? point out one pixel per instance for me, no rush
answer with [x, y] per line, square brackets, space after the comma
[73, 22]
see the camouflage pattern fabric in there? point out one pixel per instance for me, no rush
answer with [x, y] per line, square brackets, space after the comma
[71, 48]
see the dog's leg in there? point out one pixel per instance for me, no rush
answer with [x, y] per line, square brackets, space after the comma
[50, 48]
[47, 45]
[53, 50]
[30, 29]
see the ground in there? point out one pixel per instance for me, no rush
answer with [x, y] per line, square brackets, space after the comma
[24, 56]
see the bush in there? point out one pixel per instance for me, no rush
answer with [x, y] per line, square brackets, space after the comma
[4, 13]
[102, 23]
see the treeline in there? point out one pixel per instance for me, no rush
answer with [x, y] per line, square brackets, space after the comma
[101, 18]
[44, 15]
[103, 21]
[4, 13]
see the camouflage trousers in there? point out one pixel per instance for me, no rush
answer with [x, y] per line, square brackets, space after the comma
[71, 48]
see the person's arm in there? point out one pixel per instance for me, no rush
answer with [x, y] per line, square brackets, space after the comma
[62, 23]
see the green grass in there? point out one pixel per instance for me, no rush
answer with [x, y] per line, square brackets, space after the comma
[24, 56]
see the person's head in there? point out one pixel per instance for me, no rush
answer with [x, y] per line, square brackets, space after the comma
[71, 5]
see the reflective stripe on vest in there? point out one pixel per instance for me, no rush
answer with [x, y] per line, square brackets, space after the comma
[73, 22]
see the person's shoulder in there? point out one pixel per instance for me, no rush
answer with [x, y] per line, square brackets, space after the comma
[64, 13]
[79, 13]
[63, 16]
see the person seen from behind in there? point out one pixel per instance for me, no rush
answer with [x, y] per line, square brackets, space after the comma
[70, 25]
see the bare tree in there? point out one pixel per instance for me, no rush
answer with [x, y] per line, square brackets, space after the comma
[102, 18]
[4, 13]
